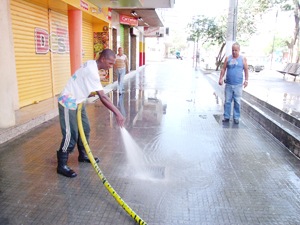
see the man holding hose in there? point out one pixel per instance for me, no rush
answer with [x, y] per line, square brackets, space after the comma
[84, 81]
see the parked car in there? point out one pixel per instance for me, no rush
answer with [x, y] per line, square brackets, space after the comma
[255, 64]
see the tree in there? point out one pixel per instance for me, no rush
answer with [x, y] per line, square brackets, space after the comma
[279, 43]
[286, 5]
[207, 30]
[179, 40]
[214, 30]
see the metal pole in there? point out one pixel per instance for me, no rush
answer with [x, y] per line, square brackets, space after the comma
[273, 40]
[194, 54]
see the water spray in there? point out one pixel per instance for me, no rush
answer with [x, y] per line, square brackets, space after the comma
[100, 174]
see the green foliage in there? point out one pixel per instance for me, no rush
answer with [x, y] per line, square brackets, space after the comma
[261, 6]
[214, 30]
[179, 40]
[246, 23]
[206, 29]
[279, 44]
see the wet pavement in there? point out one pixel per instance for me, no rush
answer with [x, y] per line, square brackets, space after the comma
[202, 172]
[281, 92]
[271, 87]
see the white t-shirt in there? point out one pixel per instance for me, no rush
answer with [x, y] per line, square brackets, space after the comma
[84, 81]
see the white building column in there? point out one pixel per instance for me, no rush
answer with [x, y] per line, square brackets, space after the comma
[231, 26]
[9, 99]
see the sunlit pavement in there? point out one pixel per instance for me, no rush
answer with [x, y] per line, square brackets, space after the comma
[281, 92]
[201, 171]
[275, 89]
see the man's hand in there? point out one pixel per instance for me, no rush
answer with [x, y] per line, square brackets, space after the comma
[221, 81]
[120, 119]
[245, 83]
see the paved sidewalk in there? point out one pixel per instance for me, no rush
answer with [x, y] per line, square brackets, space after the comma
[270, 87]
[200, 171]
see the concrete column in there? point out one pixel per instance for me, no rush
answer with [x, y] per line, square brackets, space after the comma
[133, 53]
[141, 49]
[8, 85]
[231, 26]
[75, 38]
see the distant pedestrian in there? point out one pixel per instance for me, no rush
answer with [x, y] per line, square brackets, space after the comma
[121, 67]
[84, 81]
[234, 64]
[198, 56]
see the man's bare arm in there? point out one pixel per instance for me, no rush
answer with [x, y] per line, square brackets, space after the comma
[246, 72]
[223, 71]
[108, 104]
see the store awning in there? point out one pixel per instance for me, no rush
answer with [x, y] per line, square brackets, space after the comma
[134, 3]
[117, 3]
[149, 16]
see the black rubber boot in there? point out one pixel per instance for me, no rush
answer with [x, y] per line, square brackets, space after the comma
[84, 158]
[62, 168]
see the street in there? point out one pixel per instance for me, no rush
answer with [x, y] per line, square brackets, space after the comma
[202, 172]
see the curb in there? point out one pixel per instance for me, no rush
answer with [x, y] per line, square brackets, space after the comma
[281, 125]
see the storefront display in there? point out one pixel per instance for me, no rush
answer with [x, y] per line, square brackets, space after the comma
[101, 42]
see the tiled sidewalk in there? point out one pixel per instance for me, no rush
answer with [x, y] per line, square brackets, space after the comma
[201, 172]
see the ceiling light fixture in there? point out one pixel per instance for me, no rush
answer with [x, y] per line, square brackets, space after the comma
[146, 24]
[140, 19]
[133, 13]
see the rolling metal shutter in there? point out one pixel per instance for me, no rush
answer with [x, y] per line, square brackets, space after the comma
[59, 47]
[87, 41]
[33, 69]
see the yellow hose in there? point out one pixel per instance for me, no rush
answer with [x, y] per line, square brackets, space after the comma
[100, 174]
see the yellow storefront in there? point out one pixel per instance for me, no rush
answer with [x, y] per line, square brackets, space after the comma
[41, 44]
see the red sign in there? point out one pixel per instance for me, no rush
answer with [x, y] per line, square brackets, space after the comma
[128, 20]
[41, 41]
[84, 5]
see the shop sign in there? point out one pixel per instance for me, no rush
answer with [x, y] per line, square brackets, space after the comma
[96, 10]
[131, 21]
[41, 41]
[109, 14]
[134, 31]
[84, 5]
[55, 42]
[151, 31]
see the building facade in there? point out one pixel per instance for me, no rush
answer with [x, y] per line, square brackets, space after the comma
[43, 42]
